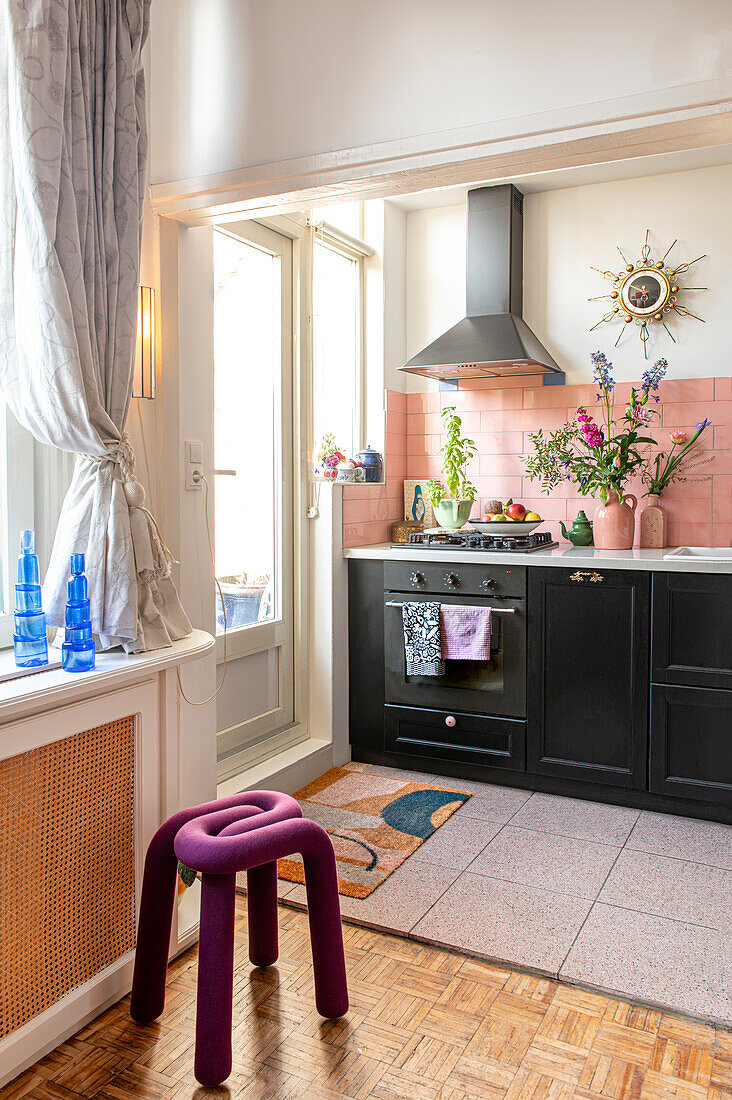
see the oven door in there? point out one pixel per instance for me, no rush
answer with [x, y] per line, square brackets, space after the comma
[496, 687]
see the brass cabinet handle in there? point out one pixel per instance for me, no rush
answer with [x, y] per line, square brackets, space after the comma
[593, 577]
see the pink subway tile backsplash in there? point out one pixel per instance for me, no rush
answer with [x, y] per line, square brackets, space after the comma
[499, 414]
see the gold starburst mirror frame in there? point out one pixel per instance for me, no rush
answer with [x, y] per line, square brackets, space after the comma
[646, 292]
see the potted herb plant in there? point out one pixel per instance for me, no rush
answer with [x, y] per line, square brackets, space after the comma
[453, 501]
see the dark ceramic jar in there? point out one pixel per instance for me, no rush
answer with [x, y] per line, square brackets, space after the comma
[372, 464]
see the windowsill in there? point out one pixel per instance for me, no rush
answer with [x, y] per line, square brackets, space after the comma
[44, 689]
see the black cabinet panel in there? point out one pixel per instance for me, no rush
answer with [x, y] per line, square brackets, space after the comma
[691, 743]
[440, 735]
[692, 629]
[366, 653]
[588, 674]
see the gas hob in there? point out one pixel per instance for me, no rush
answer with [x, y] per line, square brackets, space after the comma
[476, 540]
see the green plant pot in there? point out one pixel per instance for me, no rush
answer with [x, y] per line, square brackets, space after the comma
[452, 513]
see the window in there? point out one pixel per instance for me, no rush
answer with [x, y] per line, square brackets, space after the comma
[16, 509]
[338, 276]
[33, 483]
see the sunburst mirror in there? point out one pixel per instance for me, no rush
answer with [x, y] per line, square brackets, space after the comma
[645, 293]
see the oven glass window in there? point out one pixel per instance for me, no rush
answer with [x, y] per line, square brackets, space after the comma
[472, 675]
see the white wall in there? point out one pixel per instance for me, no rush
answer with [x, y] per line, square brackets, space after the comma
[567, 232]
[236, 83]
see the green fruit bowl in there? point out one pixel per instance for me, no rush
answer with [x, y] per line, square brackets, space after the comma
[509, 527]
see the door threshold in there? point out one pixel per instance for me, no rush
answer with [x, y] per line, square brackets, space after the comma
[286, 771]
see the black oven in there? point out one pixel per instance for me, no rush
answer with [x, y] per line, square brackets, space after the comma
[491, 687]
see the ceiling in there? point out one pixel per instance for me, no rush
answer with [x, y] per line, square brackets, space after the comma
[576, 177]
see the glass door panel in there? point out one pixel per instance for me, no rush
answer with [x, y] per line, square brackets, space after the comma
[253, 480]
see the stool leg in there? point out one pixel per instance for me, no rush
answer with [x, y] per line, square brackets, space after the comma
[153, 933]
[326, 933]
[262, 914]
[215, 980]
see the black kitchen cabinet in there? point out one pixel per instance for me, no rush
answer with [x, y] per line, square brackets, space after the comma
[588, 675]
[691, 743]
[366, 654]
[692, 629]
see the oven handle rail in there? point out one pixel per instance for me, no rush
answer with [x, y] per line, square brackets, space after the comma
[494, 610]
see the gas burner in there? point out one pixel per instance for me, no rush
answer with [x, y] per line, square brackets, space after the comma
[476, 540]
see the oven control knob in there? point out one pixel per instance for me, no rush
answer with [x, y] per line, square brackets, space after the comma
[450, 721]
[417, 578]
[452, 579]
[487, 583]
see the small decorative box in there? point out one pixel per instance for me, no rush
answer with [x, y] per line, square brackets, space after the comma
[403, 528]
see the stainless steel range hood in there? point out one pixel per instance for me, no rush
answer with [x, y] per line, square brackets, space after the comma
[493, 340]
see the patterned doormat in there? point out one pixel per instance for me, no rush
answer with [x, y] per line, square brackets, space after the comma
[374, 821]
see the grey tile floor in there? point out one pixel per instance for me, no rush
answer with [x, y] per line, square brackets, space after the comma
[633, 903]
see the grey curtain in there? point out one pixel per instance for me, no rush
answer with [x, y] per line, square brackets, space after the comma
[73, 149]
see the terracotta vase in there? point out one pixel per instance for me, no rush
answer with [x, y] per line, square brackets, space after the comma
[614, 522]
[653, 524]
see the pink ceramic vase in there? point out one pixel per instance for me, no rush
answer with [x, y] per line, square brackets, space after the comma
[614, 523]
[653, 524]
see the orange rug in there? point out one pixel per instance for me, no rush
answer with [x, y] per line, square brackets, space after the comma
[375, 823]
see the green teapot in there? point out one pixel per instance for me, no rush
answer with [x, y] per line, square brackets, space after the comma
[580, 533]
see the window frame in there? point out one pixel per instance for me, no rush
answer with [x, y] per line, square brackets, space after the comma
[352, 248]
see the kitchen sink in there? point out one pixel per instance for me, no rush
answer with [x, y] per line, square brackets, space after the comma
[702, 553]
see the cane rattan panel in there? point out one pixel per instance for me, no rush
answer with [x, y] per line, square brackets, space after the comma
[67, 876]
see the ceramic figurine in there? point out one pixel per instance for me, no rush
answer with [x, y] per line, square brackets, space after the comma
[580, 533]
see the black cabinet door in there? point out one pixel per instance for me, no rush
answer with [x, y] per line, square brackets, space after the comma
[588, 681]
[691, 743]
[366, 653]
[692, 629]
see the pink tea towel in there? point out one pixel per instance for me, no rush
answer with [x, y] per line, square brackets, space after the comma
[466, 632]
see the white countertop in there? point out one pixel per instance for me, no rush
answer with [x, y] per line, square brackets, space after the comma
[42, 690]
[571, 557]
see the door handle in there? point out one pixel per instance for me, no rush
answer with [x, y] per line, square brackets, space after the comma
[592, 577]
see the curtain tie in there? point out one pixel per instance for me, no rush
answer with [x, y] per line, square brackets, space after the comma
[153, 559]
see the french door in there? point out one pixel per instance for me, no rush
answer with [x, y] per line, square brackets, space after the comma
[253, 482]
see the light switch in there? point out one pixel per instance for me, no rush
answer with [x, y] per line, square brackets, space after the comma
[193, 465]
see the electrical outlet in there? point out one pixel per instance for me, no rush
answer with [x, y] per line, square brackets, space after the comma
[193, 465]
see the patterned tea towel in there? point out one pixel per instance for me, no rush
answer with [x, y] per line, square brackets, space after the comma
[422, 647]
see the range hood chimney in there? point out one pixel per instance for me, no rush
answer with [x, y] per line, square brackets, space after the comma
[493, 340]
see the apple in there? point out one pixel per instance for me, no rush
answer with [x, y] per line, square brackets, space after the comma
[532, 517]
[487, 516]
[498, 518]
[516, 511]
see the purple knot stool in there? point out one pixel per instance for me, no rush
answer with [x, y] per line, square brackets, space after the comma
[247, 832]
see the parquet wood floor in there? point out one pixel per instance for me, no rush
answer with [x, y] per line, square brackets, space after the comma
[424, 1024]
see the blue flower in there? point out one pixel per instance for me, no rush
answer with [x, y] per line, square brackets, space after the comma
[602, 375]
[702, 424]
[654, 374]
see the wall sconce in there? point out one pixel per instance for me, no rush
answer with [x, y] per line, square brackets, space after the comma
[143, 379]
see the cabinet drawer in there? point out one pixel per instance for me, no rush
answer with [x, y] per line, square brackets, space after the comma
[691, 743]
[474, 738]
[467, 580]
[692, 629]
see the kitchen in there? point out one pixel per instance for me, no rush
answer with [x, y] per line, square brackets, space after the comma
[606, 647]
[403, 767]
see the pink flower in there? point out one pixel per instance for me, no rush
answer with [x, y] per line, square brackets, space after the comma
[641, 415]
[678, 437]
[592, 435]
